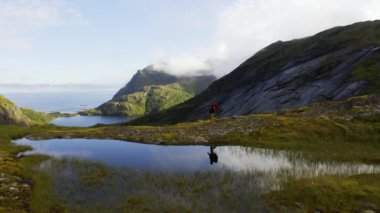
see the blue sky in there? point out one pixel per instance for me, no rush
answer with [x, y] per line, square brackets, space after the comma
[107, 41]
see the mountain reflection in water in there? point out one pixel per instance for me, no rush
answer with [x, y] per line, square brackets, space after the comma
[269, 166]
[188, 158]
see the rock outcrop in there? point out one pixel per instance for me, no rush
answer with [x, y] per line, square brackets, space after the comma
[10, 114]
[332, 65]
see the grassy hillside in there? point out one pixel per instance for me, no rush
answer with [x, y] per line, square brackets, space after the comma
[151, 99]
[151, 91]
[146, 77]
[163, 97]
[36, 118]
[11, 114]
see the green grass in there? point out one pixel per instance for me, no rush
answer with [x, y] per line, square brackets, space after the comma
[95, 187]
[16, 175]
[11, 114]
[347, 131]
[152, 99]
[164, 97]
[19, 173]
[329, 194]
[6, 101]
[71, 185]
[37, 118]
[320, 139]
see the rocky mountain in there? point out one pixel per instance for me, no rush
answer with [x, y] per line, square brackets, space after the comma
[151, 91]
[146, 77]
[11, 114]
[335, 64]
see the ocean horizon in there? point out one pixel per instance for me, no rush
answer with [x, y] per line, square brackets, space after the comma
[67, 102]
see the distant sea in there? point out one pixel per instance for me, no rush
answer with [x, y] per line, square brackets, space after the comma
[59, 101]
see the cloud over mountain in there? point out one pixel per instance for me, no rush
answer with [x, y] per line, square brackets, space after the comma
[246, 26]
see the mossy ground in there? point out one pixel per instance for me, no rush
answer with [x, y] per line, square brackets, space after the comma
[340, 131]
[329, 194]
[16, 174]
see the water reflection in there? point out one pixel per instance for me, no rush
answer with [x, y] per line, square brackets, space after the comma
[239, 158]
[212, 155]
[87, 121]
[268, 166]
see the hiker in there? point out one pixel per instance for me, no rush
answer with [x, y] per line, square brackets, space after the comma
[212, 155]
[214, 109]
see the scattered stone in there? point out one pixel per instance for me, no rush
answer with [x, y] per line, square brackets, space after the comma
[367, 114]
[368, 211]
[298, 205]
[198, 139]
[13, 188]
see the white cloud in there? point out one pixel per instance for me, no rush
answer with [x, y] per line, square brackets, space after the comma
[19, 19]
[246, 26]
[183, 65]
[249, 25]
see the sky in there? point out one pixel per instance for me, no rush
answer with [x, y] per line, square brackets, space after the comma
[104, 42]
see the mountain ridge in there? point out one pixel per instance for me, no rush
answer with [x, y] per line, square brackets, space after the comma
[334, 64]
[150, 91]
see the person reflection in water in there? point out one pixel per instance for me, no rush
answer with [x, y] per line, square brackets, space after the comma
[212, 155]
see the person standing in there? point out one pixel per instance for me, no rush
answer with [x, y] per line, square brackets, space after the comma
[214, 109]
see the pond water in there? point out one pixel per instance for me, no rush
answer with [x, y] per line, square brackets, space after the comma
[192, 158]
[87, 121]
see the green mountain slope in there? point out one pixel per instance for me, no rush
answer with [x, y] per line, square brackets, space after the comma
[11, 114]
[150, 91]
[151, 99]
[146, 77]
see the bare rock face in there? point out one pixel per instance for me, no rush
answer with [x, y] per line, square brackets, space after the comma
[298, 85]
[335, 64]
